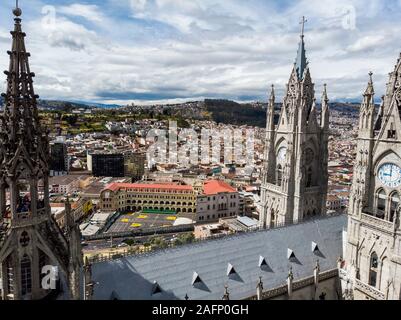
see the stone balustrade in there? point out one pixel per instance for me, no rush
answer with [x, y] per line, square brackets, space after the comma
[369, 290]
[378, 223]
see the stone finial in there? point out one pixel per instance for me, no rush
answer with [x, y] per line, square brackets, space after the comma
[325, 97]
[316, 273]
[290, 279]
[17, 10]
[226, 295]
[370, 90]
[272, 93]
[317, 267]
[259, 289]
[290, 274]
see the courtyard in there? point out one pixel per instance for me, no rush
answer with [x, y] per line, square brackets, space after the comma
[145, 220]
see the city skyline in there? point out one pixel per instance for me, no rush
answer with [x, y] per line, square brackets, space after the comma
[168, 51]
[303, 205]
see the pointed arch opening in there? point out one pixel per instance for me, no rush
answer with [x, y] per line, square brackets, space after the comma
[373, 269]
[309, 175]
[10, 270]
[381, 199]
[272, 218]
[394, 203]
[26, 275]
[279, 175]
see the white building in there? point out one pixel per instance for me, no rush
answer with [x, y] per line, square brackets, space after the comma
[218, 200]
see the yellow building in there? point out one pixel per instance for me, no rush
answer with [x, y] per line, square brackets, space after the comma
[126, 197]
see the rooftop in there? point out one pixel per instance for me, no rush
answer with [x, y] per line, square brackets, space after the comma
[161, 186]
[133, 277]
[217, 186]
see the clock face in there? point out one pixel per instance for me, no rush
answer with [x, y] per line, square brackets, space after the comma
[390, 175]
[282, 153]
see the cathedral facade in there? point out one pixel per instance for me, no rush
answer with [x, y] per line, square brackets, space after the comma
[295, 177]
[373, 248]
[37, 259]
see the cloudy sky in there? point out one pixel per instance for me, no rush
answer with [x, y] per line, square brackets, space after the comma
[122, 51]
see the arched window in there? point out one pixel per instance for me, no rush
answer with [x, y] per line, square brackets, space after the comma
[374, 264]
[10, 274]
[394, 203]
[272, 218]
[309, 177]
[381, 203]
[26, 275]
[279, 175]
[367, 121]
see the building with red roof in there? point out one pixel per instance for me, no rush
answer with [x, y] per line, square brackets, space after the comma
[218, 200]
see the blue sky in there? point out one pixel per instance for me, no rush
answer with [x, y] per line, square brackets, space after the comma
[147, 51]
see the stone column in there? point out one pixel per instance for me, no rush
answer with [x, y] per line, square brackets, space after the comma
[13, 198]
[33, 184]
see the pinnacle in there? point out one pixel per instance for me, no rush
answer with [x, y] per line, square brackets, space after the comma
[370, 89]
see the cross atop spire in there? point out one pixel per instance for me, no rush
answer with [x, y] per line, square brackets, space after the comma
[303, 21]
[301, 62]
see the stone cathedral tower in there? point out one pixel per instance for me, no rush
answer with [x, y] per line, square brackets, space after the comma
[30, 239]
[295, 176]
[373, 248]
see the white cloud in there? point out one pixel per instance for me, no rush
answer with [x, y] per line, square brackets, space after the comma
[178, 50]
[138, 4]
[89, 12]
[367, 42]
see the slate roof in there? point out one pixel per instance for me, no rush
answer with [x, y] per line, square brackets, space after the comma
[301, 62]
[133, 278]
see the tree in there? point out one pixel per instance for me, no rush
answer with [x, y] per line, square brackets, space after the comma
[159, 242]
[184, 238]
[71, 120]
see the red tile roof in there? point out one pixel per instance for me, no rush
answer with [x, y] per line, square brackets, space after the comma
[217, 186]
[118, 186]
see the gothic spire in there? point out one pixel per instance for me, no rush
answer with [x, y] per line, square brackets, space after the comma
[325, 109]
[370, 91]
[325, 98]
[272, 94]
[20, 111]
[301, 62]
[270, 111]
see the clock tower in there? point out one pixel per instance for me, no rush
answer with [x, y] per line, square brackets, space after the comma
[373, 248]
[294, 177]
